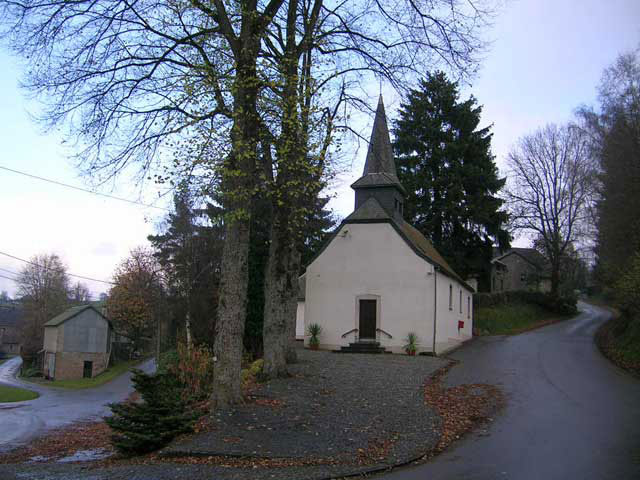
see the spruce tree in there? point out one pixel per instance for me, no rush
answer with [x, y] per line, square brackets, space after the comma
[152, 423]
[445, 163]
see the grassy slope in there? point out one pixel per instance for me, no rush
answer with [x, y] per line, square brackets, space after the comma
[104, 377]
[12, 394]
[619, 339]
[510, 319]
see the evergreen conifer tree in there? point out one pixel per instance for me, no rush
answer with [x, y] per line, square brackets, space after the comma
[445, 163]
[151, 424]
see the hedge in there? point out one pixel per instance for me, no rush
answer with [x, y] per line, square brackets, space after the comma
[566, 305]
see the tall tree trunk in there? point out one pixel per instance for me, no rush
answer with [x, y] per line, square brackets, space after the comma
[281, 295]
[281, 279]
[239, 183]
[232, 308]
[555, 277]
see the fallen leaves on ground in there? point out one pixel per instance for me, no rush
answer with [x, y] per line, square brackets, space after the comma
[63, 442]
[460, 407]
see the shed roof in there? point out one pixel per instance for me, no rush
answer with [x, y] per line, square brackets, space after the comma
[70, 313]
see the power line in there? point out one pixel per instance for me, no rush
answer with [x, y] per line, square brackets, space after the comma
[55, 182]
[9, 278]
[69, 274]
[9, 271]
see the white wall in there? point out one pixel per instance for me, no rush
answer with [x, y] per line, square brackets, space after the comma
[51, 339]
[369, 260]
[300, 321]
[373, 261]
[447, 333]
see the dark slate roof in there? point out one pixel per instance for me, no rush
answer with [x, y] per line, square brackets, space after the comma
[372, 212]
[10, 316]
[369, 210]
[11, 336]
[70, 313]
[379, 167]
[531, 255]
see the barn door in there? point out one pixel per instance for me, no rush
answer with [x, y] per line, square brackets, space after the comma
[367, 323]
[87, 371]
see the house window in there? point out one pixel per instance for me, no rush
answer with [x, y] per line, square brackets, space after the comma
[523, 277]
[494, 284]
[450, 297]
[501, 284]
[460, 300]
[468, 306]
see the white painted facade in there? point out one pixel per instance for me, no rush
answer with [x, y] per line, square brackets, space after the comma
[372, 261]
[300, 328]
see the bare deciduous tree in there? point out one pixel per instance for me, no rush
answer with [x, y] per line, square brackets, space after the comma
[79, 294]
[43, 286]
[550, 189]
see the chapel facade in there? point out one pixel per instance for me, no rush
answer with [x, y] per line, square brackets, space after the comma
[377, 278]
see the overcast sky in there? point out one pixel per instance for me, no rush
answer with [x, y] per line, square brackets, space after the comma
[546, 59]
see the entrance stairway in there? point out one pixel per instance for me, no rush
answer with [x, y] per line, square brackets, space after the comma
[363, 347]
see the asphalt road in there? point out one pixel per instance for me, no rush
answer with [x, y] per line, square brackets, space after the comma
[56, 407]
[571, 414]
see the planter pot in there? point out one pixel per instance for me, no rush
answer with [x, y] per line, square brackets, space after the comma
[313, 347]
[411, 354]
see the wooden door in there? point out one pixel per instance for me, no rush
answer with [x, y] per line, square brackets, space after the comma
[88, 370]
[367, 324]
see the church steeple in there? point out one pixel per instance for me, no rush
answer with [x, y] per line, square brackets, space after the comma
[379, 179]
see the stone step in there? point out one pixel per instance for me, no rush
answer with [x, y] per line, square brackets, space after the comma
[362, 347]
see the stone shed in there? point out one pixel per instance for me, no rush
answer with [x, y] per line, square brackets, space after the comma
[77, 344]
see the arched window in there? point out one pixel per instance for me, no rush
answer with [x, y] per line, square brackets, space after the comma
[461, 300]
[450, 297]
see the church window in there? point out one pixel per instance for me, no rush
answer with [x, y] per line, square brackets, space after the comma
[468, 306]
[450, 297]
[460, 300]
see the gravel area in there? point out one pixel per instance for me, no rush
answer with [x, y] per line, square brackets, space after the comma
[347, 413]
[334, 405]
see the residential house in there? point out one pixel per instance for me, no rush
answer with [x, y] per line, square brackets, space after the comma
[77, 344]
[520, 269]
[377, 278]
[11, 317]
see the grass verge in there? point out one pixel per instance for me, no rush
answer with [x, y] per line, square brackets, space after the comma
[619, 340]
[82, 383]
[13, 394]
[512, 318]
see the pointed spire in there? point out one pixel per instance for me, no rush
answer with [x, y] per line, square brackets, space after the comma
[380, 155]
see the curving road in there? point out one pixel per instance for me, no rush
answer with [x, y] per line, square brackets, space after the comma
[570, 413]
[56, 407]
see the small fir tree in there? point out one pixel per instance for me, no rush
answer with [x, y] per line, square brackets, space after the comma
[152, 423]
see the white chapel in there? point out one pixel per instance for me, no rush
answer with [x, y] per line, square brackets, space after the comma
[377, 278]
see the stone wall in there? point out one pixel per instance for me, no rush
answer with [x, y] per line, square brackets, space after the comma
[70, 365]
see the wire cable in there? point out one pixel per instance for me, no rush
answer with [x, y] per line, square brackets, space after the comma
[69, 274]
[55, 182]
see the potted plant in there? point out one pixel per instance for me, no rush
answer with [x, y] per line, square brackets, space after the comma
[314, 332]
[411, 345]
